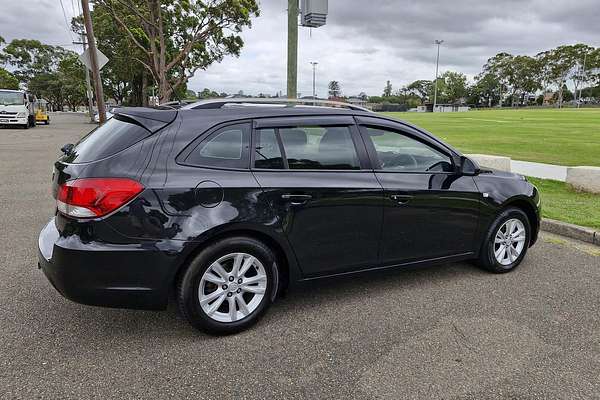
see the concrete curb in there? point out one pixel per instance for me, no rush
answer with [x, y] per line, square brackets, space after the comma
[572, 231]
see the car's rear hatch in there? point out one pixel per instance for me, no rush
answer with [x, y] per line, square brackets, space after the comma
[119, 147]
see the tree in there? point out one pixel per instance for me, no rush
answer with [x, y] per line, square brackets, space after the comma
[454, 87]
[8, 80]
[60, 82]
[387, 90]
[559, 64]
[580, 72]
[334, 89]
[31, 57]
[525, 77]
[420, 89]
[48, 85]
[592, 73]
[122, 79]
[486, 90]
[72, 79]
[206, 93]
[176, 38]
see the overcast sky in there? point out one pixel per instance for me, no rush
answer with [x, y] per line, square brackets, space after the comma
[364, 43]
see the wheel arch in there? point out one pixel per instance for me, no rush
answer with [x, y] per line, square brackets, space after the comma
[286, 262]
[529, 210]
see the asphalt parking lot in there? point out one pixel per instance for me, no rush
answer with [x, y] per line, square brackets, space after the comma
[448, 331]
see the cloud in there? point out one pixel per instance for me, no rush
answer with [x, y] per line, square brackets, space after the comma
[364, 43]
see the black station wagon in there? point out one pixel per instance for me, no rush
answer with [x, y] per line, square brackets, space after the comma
[223, 204]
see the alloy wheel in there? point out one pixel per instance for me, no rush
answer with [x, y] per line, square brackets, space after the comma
[509, 241]
[232, 287]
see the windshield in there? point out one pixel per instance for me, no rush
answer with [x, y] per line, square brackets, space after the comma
[11, 98]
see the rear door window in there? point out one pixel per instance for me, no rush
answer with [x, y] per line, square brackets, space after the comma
[115, 135]
[267, 150]
[319, 147]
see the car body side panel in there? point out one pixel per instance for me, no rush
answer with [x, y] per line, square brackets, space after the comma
[438, 218]
[500, 189]
[338, 228]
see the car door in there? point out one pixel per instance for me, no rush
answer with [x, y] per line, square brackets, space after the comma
[315, 175]
[430, 210]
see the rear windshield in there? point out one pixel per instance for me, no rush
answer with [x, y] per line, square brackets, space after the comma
[115, 135]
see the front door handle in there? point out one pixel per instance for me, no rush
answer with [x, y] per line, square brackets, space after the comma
[296, 199]
[401, 198]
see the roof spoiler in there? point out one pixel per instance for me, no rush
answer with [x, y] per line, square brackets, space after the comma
[149, 118]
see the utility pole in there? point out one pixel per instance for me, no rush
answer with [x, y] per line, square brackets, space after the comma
[292, 55]
[314, 66]
[437, 62]
[88, 85]
[582, 72]
[87, 19]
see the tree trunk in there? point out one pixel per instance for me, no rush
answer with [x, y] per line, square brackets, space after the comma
[144, 90]
[164, 89]
[560, 94]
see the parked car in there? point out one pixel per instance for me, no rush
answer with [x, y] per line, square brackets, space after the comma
[224, 208]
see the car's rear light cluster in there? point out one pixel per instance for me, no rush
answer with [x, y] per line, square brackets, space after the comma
[95, 197]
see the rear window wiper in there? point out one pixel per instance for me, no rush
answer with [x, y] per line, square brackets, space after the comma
[67, 149]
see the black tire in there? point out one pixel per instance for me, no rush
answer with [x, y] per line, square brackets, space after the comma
[26, 126]
[189, 281]
[487, 260]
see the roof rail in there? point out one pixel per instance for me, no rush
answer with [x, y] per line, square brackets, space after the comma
[253, 101]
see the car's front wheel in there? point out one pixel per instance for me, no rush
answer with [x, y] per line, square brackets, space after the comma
[228, 286]
[506, 241]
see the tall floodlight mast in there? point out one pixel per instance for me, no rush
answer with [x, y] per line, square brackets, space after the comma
[437, 62]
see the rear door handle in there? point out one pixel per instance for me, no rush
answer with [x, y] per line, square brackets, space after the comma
[296, 199]
[401, 198]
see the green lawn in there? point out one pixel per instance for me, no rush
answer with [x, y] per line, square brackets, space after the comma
[564, 137]
[560, 202]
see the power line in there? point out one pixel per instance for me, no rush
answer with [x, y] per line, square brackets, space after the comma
[66, 20]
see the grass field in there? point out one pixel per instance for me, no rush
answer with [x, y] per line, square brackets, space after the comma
[564, 137]
[562, 203]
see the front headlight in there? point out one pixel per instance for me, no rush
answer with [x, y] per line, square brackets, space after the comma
[21, 115]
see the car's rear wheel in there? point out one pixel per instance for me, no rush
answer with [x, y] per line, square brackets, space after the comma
[506, 242]
[228, 286]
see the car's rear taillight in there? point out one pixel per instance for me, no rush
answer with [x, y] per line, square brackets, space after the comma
[95, 197]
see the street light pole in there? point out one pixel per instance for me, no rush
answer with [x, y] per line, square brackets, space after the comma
[314, 66]
[437, 62]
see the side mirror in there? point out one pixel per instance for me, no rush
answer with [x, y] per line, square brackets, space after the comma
[469, 167]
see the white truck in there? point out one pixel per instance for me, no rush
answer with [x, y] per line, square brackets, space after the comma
[17, 107]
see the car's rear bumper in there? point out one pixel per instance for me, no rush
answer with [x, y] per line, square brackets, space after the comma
[110, 275]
